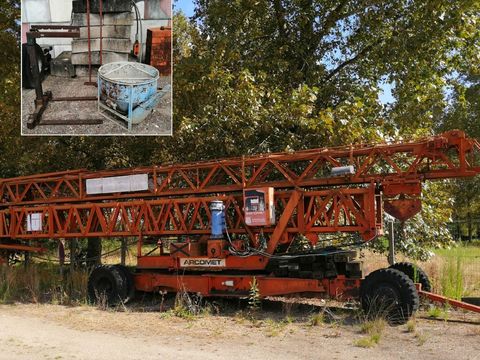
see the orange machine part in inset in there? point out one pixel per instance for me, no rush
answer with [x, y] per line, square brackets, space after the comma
[259, 206]
[158, 51]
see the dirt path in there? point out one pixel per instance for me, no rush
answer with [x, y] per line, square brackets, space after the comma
[57, 332]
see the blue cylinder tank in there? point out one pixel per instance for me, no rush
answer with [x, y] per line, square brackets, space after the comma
[217, 209]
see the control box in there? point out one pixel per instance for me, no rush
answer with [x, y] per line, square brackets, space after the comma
[259, 206]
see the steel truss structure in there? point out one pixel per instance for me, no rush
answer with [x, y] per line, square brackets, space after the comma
[310, 199]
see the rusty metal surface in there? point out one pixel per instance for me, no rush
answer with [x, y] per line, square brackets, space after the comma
[74, 121]
[411, 163]
[40, 107]
[75, 98]
[128, 90]
[448, 301]
[55, 27]
[177, 197]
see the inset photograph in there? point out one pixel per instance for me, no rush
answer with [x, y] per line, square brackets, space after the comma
[96, 67]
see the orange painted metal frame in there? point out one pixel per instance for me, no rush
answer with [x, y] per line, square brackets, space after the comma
[301, 212]
[308, 200]
[398, 167]
[447, 301]
[211, 284]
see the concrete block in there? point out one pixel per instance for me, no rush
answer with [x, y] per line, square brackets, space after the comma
[108, 6]
[62, 65]
[117, 32]
[58, 49]
[82, 70]
[116, 45]
[124, 18]
[108, 57]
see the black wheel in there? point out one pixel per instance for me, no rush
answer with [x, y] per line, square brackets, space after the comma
[27, 76]
[107, 284]
[389, 293]
[130, 281]
[416, 274]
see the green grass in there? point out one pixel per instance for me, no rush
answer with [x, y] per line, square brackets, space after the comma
[459, 273]
[438, 313]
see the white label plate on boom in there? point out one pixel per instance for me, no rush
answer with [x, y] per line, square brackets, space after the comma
[117, 184]
[34, 222]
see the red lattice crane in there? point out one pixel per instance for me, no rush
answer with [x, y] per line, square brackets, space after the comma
[266, 201]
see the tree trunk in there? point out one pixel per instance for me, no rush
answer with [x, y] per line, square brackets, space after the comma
[94, 252]
[470, 227]
[73, 255]
[123, 253]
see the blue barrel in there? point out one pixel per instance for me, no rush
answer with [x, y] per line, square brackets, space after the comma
[217, 210]
[127, 87]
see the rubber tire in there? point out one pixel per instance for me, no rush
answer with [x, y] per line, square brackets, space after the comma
[389, 293]
[415, 273]
[108, 280]
[27, 77]
[130, 281]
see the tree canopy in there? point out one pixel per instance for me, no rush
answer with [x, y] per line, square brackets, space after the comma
[254, 76]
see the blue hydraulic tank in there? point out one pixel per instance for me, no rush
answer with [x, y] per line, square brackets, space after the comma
[217, 209]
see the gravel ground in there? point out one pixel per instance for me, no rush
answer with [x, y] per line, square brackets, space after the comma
[84, 332]
[158, 123]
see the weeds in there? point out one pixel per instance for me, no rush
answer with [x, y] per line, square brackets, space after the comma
[275, 327]
[421, 338]
[317, 319]
[374, 329]
[367, 342]
[452, 277]
[42, 283]
[411, 325]
[254, 296]
[434, 312]
[373, 326]
[438, 313]
[187, 306]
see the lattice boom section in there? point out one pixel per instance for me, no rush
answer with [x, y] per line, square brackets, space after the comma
[346, 210]
[400, 165]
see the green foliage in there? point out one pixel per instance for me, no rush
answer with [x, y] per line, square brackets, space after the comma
[254, 295]
[426, 230]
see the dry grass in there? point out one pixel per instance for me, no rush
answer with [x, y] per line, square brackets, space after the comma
[374, 329]
[40, 283]
[411, 325]
[317, 319]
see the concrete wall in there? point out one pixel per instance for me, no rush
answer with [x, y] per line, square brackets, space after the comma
[60, 12]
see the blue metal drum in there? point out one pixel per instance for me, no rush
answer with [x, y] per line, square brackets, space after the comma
[128, 89]
[217, 210]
